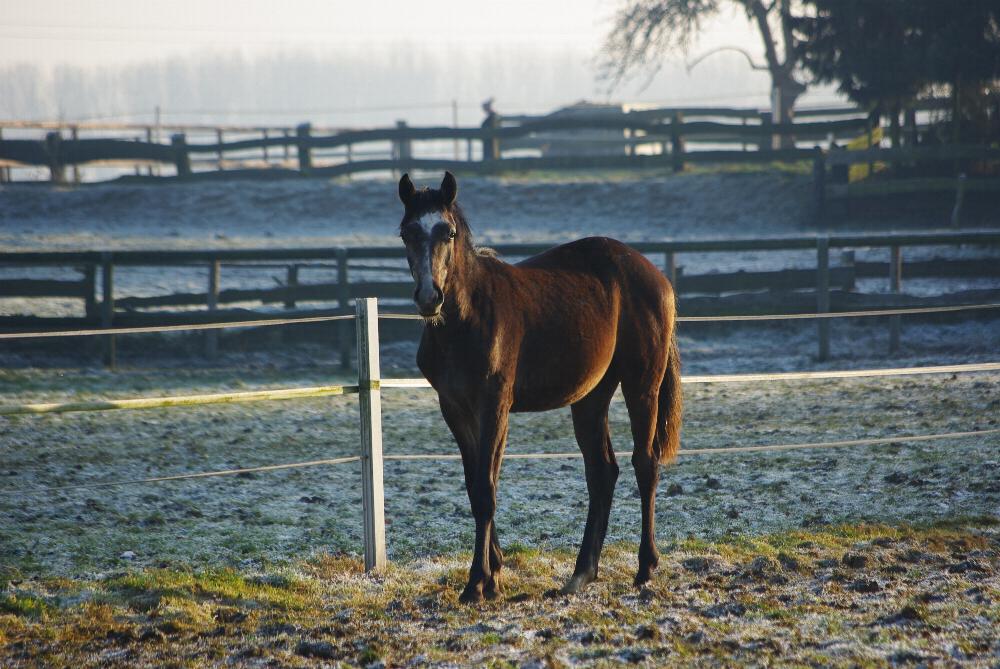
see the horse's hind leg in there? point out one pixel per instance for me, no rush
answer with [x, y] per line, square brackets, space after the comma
[590, 423]
[641, 398]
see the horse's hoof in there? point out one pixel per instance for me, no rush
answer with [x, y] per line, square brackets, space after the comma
[473, 594]
[493, 589]
[577, 583]
[643, 577]
[647, 566]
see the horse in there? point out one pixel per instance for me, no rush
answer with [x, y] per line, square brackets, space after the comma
[565, 327]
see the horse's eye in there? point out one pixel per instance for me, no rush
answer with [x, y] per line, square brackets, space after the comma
[452, 234]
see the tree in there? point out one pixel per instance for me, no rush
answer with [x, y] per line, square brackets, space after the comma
[869, 47]
[884, 54]
[644, 32]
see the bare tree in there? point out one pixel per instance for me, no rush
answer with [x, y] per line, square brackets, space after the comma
[644, 32]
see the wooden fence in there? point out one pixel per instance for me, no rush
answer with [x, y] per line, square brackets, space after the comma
[699, 295]
[661, 137]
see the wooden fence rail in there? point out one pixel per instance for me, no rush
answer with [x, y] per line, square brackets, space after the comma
[832, 280]
[656, 129]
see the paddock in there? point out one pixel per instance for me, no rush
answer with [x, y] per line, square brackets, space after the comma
[128, 458]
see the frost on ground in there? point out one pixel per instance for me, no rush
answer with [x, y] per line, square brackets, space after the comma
[798, 557]
[842, 596]
[286, 515]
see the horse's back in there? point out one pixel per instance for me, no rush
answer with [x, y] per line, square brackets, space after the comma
[611, 262]
[582, 306]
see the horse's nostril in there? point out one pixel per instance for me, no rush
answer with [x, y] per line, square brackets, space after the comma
[438, 295]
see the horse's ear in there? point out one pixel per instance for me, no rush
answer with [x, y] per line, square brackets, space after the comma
[449, 189]
[406, 189]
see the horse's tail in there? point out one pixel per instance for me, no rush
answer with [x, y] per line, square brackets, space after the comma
[671, 405]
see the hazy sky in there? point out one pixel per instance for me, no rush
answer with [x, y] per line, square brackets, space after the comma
[89, 32]
[232, 60]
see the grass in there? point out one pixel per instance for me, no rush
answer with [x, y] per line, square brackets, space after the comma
[748, 607]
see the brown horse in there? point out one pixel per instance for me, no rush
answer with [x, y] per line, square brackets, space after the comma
[562, 328]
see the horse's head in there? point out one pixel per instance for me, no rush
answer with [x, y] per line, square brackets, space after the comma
[429, 230]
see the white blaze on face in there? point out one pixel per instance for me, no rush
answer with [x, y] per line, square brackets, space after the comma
[422, 271]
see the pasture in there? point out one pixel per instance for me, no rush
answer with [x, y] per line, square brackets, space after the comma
[759, 550]
[864, 555]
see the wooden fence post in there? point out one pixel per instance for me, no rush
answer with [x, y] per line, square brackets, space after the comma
[823, 296]
[956, 211]
[910, 126]
[677, 142]
[491, 143]
[847, 260]
[871, 139]
[75, 135]
[219, 156]
[370, 402]
[53, 146]
[291, 283]
[90, 292]
[302, 133]
[149, 140]
[343, 298]
[4, 171]
[108, 308]
[766, 141]
[402, 147]
[212, 336]
[819, 185]
[182, 160]
[670, 268]
[895, 281]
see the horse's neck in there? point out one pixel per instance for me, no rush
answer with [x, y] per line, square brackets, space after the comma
[471, 280]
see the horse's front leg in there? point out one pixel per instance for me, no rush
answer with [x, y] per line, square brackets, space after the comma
[485, 570]
[463, 421]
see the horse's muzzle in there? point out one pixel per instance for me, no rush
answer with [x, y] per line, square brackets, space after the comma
[429, 301]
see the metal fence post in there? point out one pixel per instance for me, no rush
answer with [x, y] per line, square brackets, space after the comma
[823, 295]
[895, 280]
[370, 402]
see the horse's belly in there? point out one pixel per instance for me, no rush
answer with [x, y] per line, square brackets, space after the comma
[556, 376]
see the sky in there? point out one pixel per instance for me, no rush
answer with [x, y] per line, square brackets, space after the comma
[531, 54]
[120, 31]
